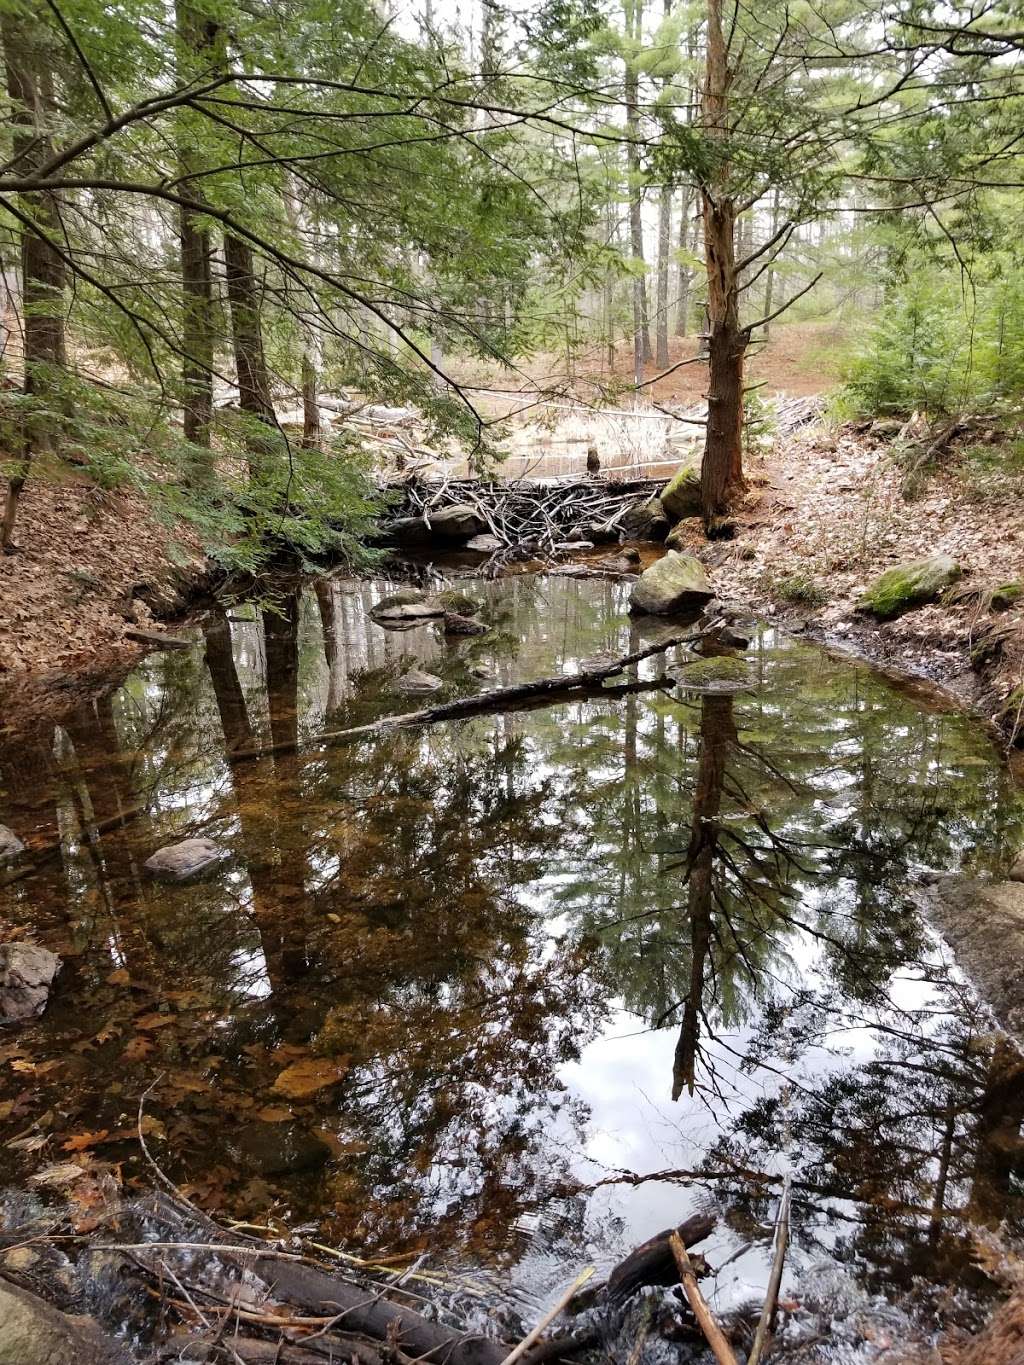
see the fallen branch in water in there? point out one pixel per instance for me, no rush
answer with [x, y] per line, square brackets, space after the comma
[716, 1338]
[537, 1332]
[771, 1297]
[493, 699]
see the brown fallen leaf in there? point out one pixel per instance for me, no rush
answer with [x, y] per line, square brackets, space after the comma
[149, 1022]
[273, 1114]
[310, 1075]
[119, 978]
[81, 1141]
[137, 1049]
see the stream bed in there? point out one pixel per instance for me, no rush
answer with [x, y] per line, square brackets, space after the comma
[518, 991]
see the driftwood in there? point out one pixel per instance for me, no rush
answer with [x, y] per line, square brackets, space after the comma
[558, 687]
[653, 1261]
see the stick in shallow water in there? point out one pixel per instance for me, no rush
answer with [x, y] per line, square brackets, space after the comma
[716, 1338]
[771, 1297]
[537, 1332]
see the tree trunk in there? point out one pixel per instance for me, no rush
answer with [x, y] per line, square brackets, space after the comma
[722, 467]
[42, 268]
[197, 37]
[247, 339]
[684, 273]
[664, 245]
[769, 275]
[641, 324]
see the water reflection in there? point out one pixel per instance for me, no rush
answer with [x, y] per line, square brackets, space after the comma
[402, 1008]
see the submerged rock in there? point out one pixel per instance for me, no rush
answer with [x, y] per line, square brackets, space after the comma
[908, 585]
[26, 975]
[720, 674]
[277, 1148]
[180, 862]
[681, 495]
[10, 844]
[454, 624]
[34, 1333]
[416, 683]
[460, 521]
[670, 585]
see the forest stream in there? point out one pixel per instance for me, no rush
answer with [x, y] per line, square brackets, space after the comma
[520, 990]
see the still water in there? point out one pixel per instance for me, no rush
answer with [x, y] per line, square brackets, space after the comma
[522, 989]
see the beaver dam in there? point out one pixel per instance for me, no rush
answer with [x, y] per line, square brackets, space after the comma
[486, 1002]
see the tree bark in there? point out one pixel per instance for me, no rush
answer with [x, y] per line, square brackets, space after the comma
[197, 37]
[684, 273]
[722, 467]
[247, 340]
[641, 324]
[42, 269]
[664, 244]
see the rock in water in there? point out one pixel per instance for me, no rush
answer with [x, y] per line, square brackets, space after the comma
[33, 1333]
[681, 495]
[10, 844]
[459, 521]
[908, 585]
[454, 624]
[484, 545]
[415, 683]
[26, 974]
[179, 862]
[453, 600]
[670, 585]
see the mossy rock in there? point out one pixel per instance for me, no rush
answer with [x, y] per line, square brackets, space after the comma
[404, 597]
[908, 585]
[720, 673]
[681, 495]
[671, 584]
[454, 601]
[1006, 595]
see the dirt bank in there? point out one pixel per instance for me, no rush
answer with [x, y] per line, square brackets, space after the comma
[90, 565]
[826, 513]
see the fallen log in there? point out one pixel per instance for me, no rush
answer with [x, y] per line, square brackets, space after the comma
[654, 1262]
[494, 698]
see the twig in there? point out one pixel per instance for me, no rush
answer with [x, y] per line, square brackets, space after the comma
[716, 1338]
[537, 1332]
[771, 1297]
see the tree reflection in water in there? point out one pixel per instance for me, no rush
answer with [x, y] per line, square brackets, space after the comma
[434, 924]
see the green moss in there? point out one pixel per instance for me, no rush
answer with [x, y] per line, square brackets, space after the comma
[1006, 595]
[908, 585]
[453, 600]
[721, 672]
[405, 597]
[681, 495]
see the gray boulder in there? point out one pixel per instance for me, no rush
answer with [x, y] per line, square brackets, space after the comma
[10, 844]
[26, 974]
[671, 584]
[407, 607]
[460, 521]
[180, 862]
[33, 1333]
[679, 537]
[484, 545]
